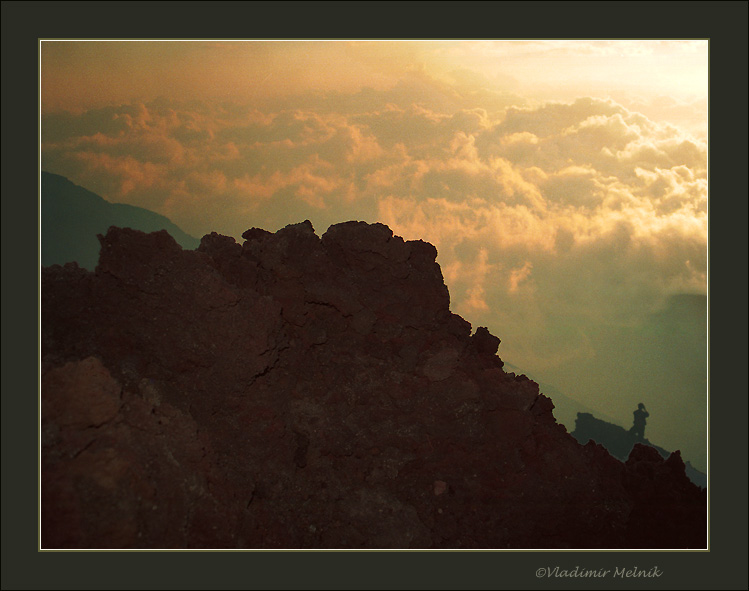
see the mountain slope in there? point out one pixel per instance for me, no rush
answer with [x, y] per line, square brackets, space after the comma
[566, 408]
[71, 218]
[297, 391]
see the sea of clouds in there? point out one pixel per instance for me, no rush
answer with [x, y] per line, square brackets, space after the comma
[568, 228]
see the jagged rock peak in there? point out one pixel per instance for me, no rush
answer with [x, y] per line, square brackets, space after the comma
[297, 391]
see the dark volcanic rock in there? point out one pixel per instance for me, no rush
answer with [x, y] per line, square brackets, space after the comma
[305, 392]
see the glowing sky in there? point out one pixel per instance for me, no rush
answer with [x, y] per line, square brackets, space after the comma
[564, 183]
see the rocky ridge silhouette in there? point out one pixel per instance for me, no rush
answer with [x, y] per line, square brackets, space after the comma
[297, 391]
[619, 442]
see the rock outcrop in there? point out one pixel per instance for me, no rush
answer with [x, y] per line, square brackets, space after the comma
[303, 392]
[619, 442]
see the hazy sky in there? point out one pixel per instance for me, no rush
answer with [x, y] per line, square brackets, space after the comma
[564, 183]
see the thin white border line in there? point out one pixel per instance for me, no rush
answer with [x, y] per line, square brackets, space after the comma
[707, 311]
[39, 300]
[360, 40]
[39, 377]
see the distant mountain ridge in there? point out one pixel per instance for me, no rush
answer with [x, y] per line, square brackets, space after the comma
[71, 218]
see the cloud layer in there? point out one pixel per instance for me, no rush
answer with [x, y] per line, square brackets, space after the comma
[558, 225]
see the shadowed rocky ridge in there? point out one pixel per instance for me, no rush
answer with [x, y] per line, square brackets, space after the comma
[303, 392]
[619, 442]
